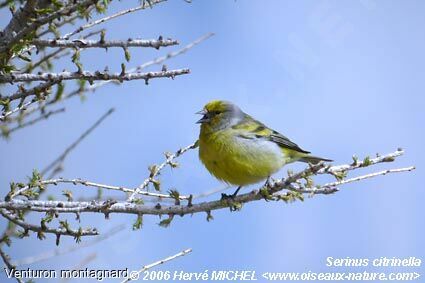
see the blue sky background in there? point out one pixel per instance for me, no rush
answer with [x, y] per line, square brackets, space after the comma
[337, 77]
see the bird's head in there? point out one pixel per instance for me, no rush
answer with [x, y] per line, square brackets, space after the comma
[219, 114]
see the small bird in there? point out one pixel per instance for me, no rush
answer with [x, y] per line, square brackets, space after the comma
[240, 150]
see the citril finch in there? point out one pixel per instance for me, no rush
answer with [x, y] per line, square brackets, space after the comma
[240, 150]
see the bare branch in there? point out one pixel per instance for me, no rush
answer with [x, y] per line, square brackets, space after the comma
[37, 90]
[90, 76]
[390, 157]
[22, 107]
[6, 260]
[57, 252]
[42, 117]
[292, 183]
[59, 231]
[149, 266]
[83, 43]
[366, 176]
[56, 54]
[94, 185]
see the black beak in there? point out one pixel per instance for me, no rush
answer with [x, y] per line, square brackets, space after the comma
[205, 118]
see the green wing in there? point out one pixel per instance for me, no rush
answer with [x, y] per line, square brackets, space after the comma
[285, 142]
[251, 129]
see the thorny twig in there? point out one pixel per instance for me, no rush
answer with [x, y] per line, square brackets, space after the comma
[56, 231]
[57, 252]
[85, 43]
[94, 185]
[57, 53]
[157, 169]
[90, 76]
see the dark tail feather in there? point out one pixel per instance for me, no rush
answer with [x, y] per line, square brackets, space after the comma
[313, 159]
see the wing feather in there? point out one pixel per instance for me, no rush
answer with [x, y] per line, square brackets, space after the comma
[250, 128]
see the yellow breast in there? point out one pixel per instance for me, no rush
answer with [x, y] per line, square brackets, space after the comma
[236, 160]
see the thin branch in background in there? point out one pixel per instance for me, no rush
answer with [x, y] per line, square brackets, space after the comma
[135, 276]
[57, 163]
[211, 192]
[6, 260]
[108, 18]
[86, 260]
[42, 117]
[58, 252]
[46, 58]
[21, 107]
[170, 55]
[60, 23]
[81, 265]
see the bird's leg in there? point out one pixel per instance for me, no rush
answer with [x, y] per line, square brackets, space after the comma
[236, 192]
[268, 184]
[229, 199]
[265, 190]
[232, 196]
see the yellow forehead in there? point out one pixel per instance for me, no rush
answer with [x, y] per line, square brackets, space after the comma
[216, 105]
